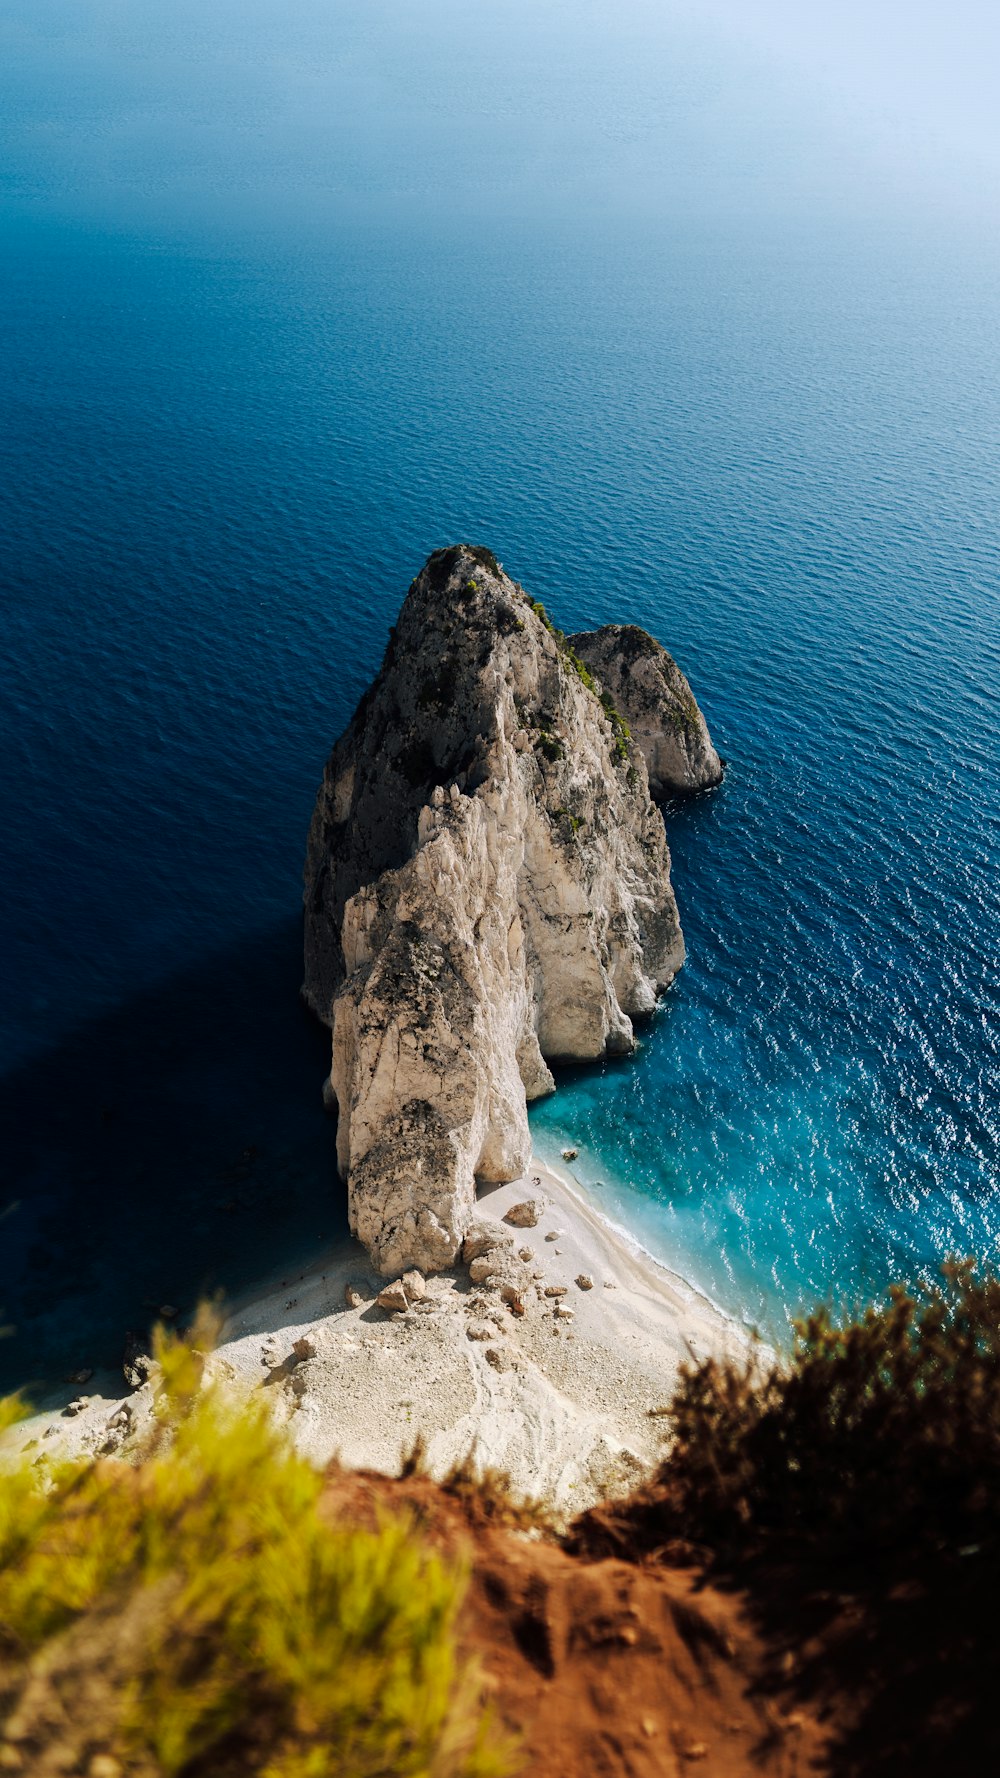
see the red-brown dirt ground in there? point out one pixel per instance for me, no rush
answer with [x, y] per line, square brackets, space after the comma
[603, 1667]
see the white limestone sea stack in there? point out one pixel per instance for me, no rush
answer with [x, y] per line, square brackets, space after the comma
[654, 697]
[487, 889]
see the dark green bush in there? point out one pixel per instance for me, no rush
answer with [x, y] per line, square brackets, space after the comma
[550, 746]
[879, 1433]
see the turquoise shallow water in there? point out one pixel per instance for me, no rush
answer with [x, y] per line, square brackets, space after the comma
[228, 442]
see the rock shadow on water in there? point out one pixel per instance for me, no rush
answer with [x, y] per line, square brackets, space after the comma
[173, 1148]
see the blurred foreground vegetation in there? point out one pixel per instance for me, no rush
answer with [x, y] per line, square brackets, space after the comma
[877, 1440]
[197, 1614]
[881, 1435]
[201, 1612]
[851, 1495]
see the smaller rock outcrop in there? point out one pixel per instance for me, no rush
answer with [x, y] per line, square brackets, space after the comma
[653, 696]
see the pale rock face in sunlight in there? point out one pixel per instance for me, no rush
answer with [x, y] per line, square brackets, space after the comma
[656, 701]
[487, 889]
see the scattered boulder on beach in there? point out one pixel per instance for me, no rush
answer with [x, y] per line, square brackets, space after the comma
[487, 1265]
[403, 1292]
[137, 1363]
[484, 1234]
[393, 1297]
[116, 1430]
[526, 1214]
[512, 1290]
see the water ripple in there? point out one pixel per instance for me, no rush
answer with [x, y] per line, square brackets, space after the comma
[217, 475]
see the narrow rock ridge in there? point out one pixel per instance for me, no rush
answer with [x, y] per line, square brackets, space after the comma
[487, 890]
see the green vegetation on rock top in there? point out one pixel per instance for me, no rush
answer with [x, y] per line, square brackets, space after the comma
[442, 564]
[620, 732]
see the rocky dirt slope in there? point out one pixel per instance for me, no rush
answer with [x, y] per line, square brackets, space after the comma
[602, 1667]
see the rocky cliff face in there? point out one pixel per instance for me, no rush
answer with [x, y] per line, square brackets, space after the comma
[487, 890]
[658, 704]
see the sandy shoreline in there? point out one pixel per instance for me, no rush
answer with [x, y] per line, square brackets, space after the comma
[570, 1409]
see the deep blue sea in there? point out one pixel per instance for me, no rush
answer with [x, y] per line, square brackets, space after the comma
[262, 348]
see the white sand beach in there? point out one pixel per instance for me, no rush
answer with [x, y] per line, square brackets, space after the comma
[571, 1408]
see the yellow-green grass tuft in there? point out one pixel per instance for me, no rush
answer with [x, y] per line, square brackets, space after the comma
[198, 1614]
